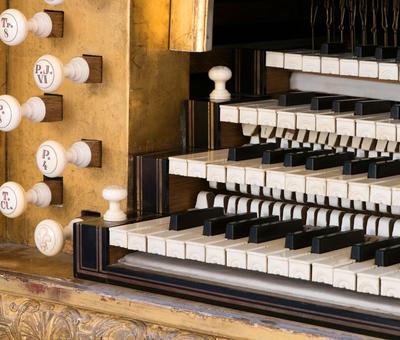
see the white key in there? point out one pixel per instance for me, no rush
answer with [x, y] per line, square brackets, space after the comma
[216, 252]
[176, 246]
[327, 122]
[256, 206]
[276, 177]
[369, 281]
[221, 201]
[266, 208]
[322, 218]
[349, 67]
[288, 212]
[388, 71]
[119, 235]
[384, 226]
[293, 61]
[301, 267]
[396, 195]
[368, 69]
[277, 209]
[248, 112]
[278, 263]
[205, 199]
[236, 171]
[196, 249]
[338, 186]
[137, 239]
[317, 184]
[312, 213]
[178, 165]
[346, 276]
[256, 175]
[232, 204]
[197, 167]
[236, 256]
[366, 126]
[244, 205]
[257, 259]
[347, 222]
[322, 270]
[274, 59]
[390, 284]
[311, 63]
[307, 120]
[156, 242]
[330, 65]
[230, 113]
[335, 218]
[387, 129]
[360, 189]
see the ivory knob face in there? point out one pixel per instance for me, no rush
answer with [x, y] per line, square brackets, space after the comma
[51, 159]
[13, 27]
[48, 73]
[13, 200]
[49, 237]
[10, 113]
[54, 2]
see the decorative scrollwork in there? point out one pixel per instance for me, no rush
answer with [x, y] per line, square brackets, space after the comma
[23, 318]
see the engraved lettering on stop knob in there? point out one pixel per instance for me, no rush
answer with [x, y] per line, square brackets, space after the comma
[8, 201]
[5, 114]
[48, 159]
[45, 238]
[8, 27]
[44, 73]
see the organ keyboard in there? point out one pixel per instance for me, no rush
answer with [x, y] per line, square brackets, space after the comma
[301, 220]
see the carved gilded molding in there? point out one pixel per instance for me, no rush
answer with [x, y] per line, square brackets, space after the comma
[24, 318]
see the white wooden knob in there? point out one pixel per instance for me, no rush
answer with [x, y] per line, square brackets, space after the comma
[14, 199]
[14, 26]
[50, 236]
[11, 111]
[52, 157]
[54, 2]
[114, 195]
[220, 75]
[49, 72]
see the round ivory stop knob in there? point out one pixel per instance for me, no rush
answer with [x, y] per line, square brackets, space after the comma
[50, 236]
[14, 199]
[49, 72]
[52, 157]
[114, 195]
[220, 75]
[14, 26]
[11, 111]
[54, 2]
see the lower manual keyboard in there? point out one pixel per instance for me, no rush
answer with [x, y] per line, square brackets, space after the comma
[334, 266]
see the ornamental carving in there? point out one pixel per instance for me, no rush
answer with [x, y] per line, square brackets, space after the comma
[22, 318]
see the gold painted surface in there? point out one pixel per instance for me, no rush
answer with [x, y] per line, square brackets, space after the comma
[3, 88]
[159, 80]
[92, 111]
[191, 25]
[32, 300]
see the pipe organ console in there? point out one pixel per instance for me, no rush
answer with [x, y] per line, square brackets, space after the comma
[278, 194]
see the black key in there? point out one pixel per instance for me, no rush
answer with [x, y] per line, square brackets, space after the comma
[278, 155]
[360, 165]
[333, 48]
[239, 229]
[387, 256]
[384, 169]
[365, 51]
[304, 238]
[274, 230]
[385, 52]
[193, 218]
[328, 161]
[342, 239]
[299, 158]
[295, 98]
[345, 105]
[370, 107]
[217, 225]
[366, 251]
[324, 102]
[249, 151]
[395, 111]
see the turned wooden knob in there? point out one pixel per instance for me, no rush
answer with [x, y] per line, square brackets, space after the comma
[14, 199]
[220, 75]
[14, 26]
[50, 236]
[114, 195]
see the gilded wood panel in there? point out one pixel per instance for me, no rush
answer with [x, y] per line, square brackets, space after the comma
[159, 80]
[93, 111]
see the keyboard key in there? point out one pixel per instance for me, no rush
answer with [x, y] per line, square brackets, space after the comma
[193, 218]
[217, 225]
[249, 151]
[239, 229]
[326, 243]
[274, 230]
[302, 239]
[328, 161]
